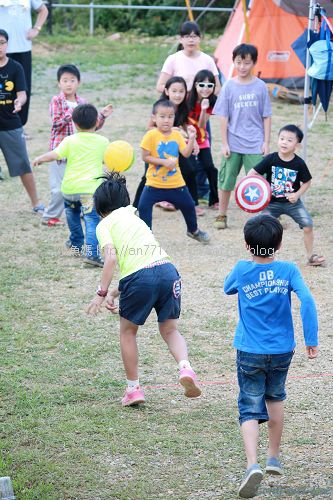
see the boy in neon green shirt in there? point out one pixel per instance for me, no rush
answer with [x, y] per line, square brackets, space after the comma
[84, 153]
[148, 280]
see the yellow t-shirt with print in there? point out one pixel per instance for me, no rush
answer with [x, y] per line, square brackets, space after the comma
[163, 146]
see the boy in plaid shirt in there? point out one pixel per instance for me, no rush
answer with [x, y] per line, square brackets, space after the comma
[61, 109]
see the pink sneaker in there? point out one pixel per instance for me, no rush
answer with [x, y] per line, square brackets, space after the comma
[133, 397]
[188, 379]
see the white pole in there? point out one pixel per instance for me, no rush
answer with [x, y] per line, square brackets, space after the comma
[91, 18]
[307, 82]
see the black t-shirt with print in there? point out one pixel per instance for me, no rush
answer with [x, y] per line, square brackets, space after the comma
[12, 80]
[283, 176]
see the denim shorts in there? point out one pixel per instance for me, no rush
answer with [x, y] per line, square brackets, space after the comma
[157, 287]
[261, 377]
[296, 211]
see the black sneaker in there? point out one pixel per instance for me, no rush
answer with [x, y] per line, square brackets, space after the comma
[200, 236]
[94, 261]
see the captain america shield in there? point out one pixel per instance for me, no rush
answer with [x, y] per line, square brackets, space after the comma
[253, 193]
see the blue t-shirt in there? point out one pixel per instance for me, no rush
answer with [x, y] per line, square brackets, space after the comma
[264, 302]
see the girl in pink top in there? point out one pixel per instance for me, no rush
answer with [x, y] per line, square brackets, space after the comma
[188, 60]
[201, 101]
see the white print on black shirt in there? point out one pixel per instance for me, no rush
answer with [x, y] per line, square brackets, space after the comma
[265, 284]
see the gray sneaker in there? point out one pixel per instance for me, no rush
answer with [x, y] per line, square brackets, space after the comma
[251, 482]
[273, 466]
[94, 261]
[200, 236]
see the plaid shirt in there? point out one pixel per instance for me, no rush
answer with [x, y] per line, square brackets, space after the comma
[61, 115]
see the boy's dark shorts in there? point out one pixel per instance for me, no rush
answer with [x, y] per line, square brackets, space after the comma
[157, 287]
[296, 211]
[13, 147]
[261, 377]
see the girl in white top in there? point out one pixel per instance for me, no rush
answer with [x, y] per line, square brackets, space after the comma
[189, 59]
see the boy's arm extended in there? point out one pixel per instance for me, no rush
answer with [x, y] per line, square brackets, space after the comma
[192, 133]
[49, 156]
[110, 261]
[224, 136]
[165, 162]
[267, 135]
[231, 283]
[102, 115]
[308, 313]
[21, 98]
[293, 197]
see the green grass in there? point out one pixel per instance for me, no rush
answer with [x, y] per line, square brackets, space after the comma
[63, 433]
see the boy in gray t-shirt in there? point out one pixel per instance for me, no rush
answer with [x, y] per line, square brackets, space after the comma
[245, 111]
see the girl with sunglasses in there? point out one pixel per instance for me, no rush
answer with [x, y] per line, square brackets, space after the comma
[201, 102]
[175, 91]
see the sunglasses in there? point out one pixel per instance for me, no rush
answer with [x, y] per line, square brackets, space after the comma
[205, 85]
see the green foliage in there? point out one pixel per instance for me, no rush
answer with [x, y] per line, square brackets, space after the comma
[151, 22]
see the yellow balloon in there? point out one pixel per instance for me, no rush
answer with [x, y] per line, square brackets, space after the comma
[119, 156]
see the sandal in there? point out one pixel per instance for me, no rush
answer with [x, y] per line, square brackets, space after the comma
[316, 261]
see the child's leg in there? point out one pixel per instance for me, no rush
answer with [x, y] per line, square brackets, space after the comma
[227, 176]
[129, 349]
[187, 169]
[205, 157]
[250, 433]
[140, 188]
[174, 340]
[56, 204]
[73, 216]
[181, 198]
[308, 240]
[178, 348]
[148, 198]
[91, 220]
[275, 426]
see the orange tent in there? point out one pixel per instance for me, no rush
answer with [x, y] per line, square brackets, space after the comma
[273, 25]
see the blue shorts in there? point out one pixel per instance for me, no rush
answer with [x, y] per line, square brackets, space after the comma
[296, 211]
[261, 377]
[157, 287]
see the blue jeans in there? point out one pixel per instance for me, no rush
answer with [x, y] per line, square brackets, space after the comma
[180, 197]
[73, 211]
[261, 377]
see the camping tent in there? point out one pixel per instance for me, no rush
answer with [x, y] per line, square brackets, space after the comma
[273, 26]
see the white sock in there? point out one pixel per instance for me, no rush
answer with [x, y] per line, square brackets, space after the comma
[184, 364]
[131, 384]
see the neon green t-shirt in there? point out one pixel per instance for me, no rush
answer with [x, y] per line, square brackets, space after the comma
[134, 243]
[84, 152]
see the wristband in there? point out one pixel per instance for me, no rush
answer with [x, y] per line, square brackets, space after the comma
[101, 292]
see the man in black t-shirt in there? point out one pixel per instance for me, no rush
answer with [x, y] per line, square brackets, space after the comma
[289, 178]
[12, 143]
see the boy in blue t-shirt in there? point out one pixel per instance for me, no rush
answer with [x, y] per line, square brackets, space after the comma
[265, 340]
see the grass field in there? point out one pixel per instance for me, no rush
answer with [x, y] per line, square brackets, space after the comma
[63, 433]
